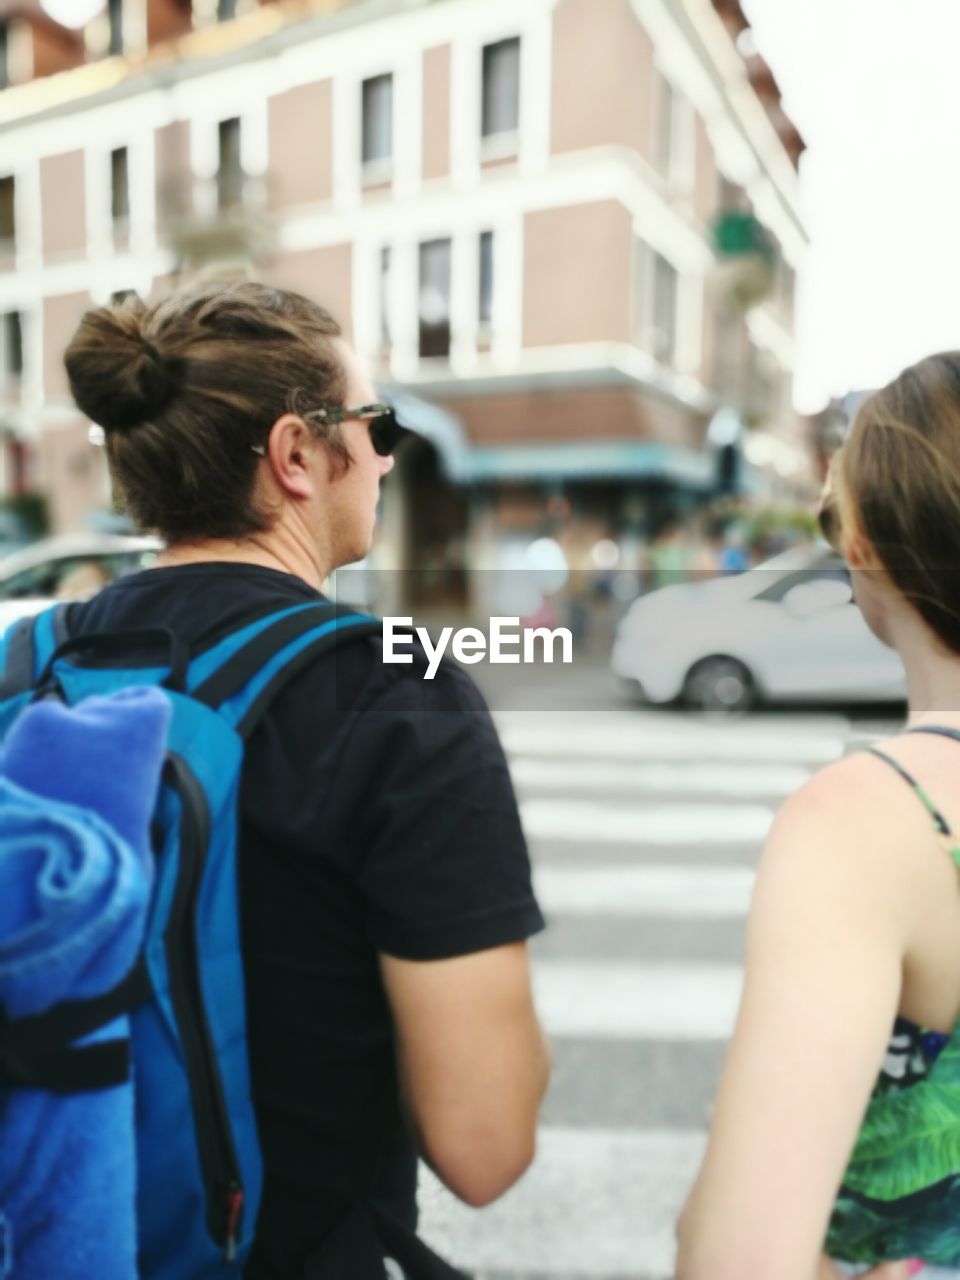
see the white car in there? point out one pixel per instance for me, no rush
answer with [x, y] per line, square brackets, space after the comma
[71, 566]
[787, 631]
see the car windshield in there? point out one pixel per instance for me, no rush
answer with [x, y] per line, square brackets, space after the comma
[72, 577]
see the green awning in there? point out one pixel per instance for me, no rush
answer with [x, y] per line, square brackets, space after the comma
[594, 460]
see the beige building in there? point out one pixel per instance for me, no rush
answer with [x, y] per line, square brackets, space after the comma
[512, 207]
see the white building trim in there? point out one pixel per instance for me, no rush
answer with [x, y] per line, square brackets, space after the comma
[134, 27]
[96, 185]
[580, 178]
[465, 102]
[404, 317]
[142, 162]
[508, 272]
[693, 45]
[464, 291]
[769, 333]
[27, 212]
[122, 271]
[536, 90]
[407, 125]
[589, 363]
[365, 296]
[689, 324]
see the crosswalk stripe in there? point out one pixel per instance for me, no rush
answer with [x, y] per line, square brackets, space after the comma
[682, 892]
[596, 1203]
[632, 1001]
[698, 779]
[588, 820]
[620, 741]
[692, 722]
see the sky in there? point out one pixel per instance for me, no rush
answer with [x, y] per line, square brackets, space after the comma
[874, 89]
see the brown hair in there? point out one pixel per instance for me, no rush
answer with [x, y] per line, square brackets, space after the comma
[185, 388]
[900, 469]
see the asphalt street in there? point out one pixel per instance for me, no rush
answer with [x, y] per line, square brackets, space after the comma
[645, 829]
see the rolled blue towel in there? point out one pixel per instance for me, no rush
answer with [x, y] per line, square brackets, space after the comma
[77, 788]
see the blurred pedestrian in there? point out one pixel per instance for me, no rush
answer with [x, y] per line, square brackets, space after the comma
[733, 555]
[830, 1139]
[671, 557]
[384, 880]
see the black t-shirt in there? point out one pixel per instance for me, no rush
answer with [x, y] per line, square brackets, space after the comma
[377, 815]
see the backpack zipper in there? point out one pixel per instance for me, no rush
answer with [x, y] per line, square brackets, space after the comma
[220, 1169]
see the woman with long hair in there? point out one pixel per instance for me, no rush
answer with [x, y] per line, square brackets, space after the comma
[835, 1145]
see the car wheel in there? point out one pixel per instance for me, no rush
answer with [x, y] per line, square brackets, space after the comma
[720, 684]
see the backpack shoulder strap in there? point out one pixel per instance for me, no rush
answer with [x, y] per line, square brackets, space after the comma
[242, 675]
[29, 644]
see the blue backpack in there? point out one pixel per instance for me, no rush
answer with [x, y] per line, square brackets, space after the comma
[198, 1163]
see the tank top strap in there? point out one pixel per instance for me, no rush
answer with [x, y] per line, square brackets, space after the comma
[940, 824]
[941, 730]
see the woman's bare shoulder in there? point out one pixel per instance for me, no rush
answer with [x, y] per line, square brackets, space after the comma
[856, 828]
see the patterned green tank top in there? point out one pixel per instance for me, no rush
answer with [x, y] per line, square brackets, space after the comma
[900, 1196]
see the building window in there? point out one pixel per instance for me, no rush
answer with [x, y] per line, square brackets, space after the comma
[386, 339]
[119, 185]
[115, 19]
[435, 298]
[501, 88]
[665, 282]
[4, 55]
[226, 9]
[485, 300]
[230, 170]
[666, 125]
[11, 347]
[377, 121]
[8, 214]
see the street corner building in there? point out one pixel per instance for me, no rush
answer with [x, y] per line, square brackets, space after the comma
[563, 233]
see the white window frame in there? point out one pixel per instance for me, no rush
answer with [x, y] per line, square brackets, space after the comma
[350, 174]
[20, 53]
[141, 227]
[505, 332]
[506, 142]
[205, 152]
[469, 151]
[680, 168]
[648, 326]
[96, 33]
[455, 254]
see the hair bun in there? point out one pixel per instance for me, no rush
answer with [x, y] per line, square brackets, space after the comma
[118, 377]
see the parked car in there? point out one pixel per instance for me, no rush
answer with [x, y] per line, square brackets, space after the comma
[70, 566]
[13, 533]
[786, 631]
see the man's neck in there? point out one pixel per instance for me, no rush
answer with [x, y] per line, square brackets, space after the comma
[267, 551]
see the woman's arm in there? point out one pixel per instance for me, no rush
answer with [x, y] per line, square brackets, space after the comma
[828, 926]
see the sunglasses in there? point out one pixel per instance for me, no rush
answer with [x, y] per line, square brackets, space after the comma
[828, 517]
[385, 431]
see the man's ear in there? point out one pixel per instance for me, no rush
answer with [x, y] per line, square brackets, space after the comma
[290, 447]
